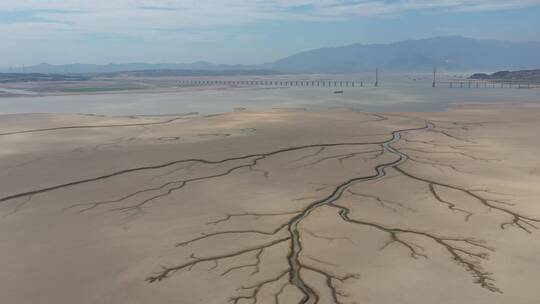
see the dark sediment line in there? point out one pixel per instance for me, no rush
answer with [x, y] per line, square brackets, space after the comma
[91, 127]
[164, 165]
[523, 222]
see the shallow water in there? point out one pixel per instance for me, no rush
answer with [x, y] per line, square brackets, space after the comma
[17, 91]
[394, 96]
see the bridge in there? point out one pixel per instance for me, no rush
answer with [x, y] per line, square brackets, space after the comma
[280, 83]
[485, 84]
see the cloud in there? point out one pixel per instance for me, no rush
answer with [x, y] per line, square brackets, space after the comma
[136, 18]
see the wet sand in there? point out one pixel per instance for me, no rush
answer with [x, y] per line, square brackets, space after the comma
[275, 206]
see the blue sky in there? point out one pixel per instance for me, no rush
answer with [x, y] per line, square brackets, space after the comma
[239, 31]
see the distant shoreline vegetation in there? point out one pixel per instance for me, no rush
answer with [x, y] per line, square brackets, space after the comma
[32, 77]
[98, 90]
[529, 75]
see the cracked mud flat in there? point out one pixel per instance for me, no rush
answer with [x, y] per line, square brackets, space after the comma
[291, 206]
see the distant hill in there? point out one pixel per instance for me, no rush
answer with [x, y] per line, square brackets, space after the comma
[449, 53]
[79, 68]
[525, 75]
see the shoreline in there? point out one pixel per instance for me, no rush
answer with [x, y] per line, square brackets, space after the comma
[417, 98]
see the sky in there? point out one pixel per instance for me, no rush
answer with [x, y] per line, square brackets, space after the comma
[239, 31]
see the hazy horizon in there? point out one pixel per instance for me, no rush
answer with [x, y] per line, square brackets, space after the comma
[254, 64]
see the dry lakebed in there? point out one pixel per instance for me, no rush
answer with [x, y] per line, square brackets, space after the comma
[272, 206]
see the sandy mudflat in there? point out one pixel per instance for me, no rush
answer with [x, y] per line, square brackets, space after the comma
[278, 206]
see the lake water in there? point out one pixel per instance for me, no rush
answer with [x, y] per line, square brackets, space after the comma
[398, 96]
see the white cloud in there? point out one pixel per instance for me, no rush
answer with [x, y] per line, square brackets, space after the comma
[171, 17]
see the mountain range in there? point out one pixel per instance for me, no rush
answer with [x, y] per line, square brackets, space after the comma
[448, 53]
[79, 68]
[451, 53]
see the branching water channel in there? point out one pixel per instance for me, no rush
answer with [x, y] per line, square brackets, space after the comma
[465, 252]
[311, 297]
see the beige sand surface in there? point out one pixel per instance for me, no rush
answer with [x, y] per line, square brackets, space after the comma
[279, 206]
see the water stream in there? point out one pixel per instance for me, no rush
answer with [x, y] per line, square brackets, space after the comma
[310, 296]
